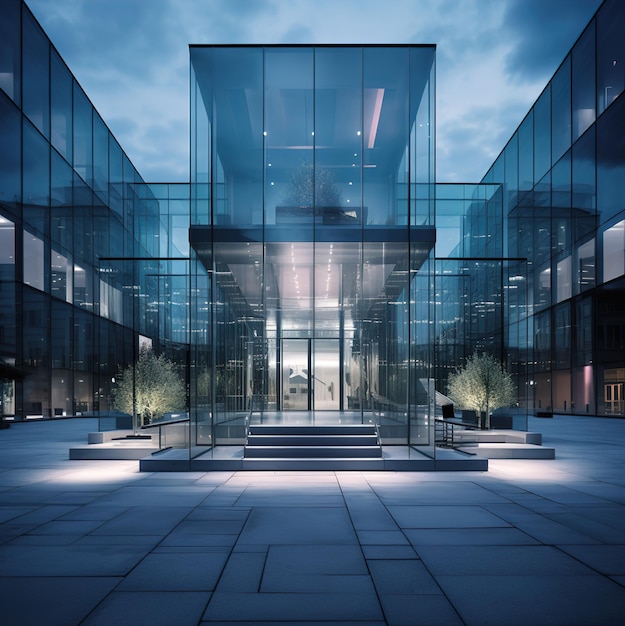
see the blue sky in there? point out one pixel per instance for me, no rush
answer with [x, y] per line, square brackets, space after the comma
[494, 57]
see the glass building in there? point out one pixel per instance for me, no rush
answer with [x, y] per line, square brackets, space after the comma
[563, 176]
[312, 265]
[312, 218]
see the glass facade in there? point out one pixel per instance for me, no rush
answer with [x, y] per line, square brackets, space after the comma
[567, 220]
[312, 220]
[312, 265]
[78, 232]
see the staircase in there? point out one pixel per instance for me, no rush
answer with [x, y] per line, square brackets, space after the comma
[354, 447]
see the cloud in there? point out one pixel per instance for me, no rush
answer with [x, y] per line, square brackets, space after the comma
[543, 33]
[493, 59]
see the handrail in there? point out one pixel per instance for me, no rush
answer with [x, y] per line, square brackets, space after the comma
[160, 427]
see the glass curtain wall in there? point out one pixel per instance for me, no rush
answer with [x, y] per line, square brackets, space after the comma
[68, 199]
[313, 256]
[562, 174]
[481, 295]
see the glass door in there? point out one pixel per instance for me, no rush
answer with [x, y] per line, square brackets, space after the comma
[326, 380]
[296, 380]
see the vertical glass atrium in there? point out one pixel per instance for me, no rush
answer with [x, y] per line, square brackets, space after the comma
[312, 217]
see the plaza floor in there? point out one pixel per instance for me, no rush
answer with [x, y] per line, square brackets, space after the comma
[529, 542]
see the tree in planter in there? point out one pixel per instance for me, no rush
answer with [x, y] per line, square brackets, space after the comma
[150, 388]
[483, 385]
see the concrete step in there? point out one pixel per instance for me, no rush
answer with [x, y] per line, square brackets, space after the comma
[312, 440]
[312, 452]
[356, 429]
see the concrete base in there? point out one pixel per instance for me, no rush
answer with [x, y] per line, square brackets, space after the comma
[509, 450]
[115, 445]
[394, 459]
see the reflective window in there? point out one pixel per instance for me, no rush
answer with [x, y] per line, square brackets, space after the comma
[61, 277]
[10, 54]
[614, 251]
[7, 242]
[35, 177]
[33, 271]
[10, 153]
[610, 53]
[83, 287]
[542, 134]
[562, 336]
[611, 161]
[561, 110]
[83, 143]
[526, 153]
[291, 187]
[563, 279]
[61, 201]
[35, 73]
[386, 125]
[584, 189]
[100, 157]
[511, 155]
[583, 88]
[561, 182]
[339, 127]
[585, 266]
[61, 107]
[116, 191]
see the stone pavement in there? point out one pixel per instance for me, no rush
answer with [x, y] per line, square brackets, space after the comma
[528, 542]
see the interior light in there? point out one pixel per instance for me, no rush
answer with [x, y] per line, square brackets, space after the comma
[358, 133]
[375, 121]
[264, 133]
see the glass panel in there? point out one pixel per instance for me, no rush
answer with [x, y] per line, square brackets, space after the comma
[201, 128]
[35, 73]
[326, 375]
[296, 384]
[61, 277]
[61, 106]
[61, 211]
[10, 52]
[290, 185]
[564, 282]
[512, 173]
[100, 158]
[60, 335]
[36, 178]
[611, 161]
[339, 136]
[386, 126]
[614, 251]
[561, 110]
[583, 332]
[585, 266]
[236, 75]
[83, 142]
[526, 153]
[116, 180]
[542, 134]
[33, 261]
[583, 88]
[610, 53]
[83, 287]
[562, 336]
[422, 138]
[583, 185]
[10, 153]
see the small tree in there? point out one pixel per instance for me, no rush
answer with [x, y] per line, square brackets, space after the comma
[482, 385]
[150, 388]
